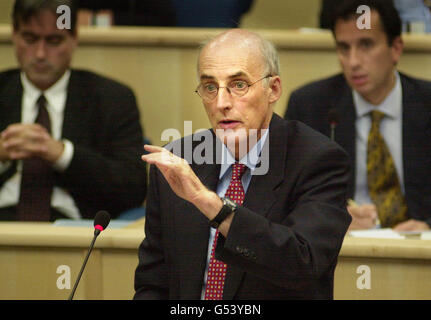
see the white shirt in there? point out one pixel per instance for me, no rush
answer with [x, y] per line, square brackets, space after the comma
[250, 160]
[390, 129]
[56, 101]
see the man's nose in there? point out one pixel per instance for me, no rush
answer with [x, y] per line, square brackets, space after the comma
[41, 49]
[354, 58]
[224, 98]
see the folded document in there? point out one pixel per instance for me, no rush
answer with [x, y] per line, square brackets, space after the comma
[387, 233]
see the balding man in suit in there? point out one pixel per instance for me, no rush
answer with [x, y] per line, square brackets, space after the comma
[259, 213]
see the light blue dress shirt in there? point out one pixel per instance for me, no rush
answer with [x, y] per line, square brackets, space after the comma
[391, 130]
[250, 160]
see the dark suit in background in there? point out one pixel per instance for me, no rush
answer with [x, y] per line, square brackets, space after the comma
[287, 234]
[210, 14]
[311, 104]
[135, 12]
[101, 119]
[190, 13]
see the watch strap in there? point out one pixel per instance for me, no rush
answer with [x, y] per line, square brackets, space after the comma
[228, 207]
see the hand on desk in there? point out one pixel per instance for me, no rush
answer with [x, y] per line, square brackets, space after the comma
[363, 216]
[412, 225]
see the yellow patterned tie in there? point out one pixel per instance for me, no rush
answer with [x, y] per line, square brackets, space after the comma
[383, 183]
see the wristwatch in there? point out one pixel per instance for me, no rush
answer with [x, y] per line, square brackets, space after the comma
[228, 207]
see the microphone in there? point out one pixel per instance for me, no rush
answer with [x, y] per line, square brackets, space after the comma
[101, 221]
[333, 121]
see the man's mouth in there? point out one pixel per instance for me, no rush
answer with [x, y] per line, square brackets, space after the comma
[359, 79]
[228, 124]
[40, 67]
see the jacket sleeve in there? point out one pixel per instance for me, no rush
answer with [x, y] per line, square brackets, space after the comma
[108, 173]
[151, 275]
[293, 108]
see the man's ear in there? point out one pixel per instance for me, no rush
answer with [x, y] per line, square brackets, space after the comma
[276, 89]
[14, 36]
[397, 48]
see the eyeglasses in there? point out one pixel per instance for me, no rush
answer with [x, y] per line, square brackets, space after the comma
[237, 88]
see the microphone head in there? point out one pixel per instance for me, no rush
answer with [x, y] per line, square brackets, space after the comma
[333, 116]
[101, 220]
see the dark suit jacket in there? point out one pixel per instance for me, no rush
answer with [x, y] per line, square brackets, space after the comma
[311, 104]
[284, 240]
[135, 12]
[101, 119]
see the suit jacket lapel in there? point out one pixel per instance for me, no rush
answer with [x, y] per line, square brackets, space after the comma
[194, 243]
[415, 128]
[345, 134]
[259, 197]
[11, 99]
[75, 119]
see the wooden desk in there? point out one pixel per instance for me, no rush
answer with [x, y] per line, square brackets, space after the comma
[399, 269]
[30, 254]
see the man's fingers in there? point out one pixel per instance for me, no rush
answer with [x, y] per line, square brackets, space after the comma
[20, 154]
[363, 211]
[28, 133]
[161, 155]
[152, 148]
[369, 210]
[18, 129]
[412, 225]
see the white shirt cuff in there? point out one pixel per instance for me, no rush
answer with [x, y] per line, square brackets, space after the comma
[64, 161]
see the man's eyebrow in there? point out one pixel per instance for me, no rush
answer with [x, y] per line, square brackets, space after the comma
[362, 39]
[206, 77]
[235, 75]
[28, 33]
[238, 74]
[340, 42]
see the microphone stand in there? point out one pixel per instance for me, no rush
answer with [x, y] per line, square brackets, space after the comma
[96, 233]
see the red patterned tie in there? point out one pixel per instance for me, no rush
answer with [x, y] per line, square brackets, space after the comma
[216, 268]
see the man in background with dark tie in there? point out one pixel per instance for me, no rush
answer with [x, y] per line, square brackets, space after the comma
[254, 208]
[70, 139]
[382, 119]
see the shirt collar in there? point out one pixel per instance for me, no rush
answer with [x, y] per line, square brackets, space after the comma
[250, 159]
[50, 94]
[391, 106]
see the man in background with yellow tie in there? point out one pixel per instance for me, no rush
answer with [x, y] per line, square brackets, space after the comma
[70, 139]
[255, 207]
[382, 120]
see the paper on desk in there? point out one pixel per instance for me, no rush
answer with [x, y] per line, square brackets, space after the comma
[426, 235]
[113, 224]
[385, 233]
